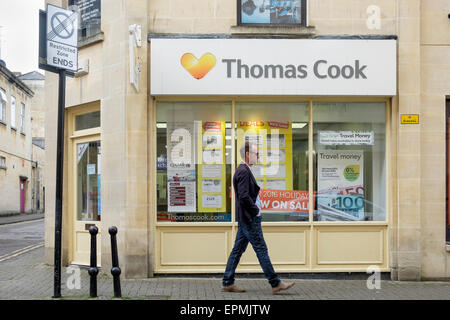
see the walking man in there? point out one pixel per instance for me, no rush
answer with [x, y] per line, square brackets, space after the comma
[248, 215]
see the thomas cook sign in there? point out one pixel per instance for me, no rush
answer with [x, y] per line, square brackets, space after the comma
[62, 38]
[273, 67]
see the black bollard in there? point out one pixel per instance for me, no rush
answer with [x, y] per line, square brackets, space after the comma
[93, 270]
[115, 270]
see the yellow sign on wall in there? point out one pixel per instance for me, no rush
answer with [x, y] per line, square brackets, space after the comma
[410, 118]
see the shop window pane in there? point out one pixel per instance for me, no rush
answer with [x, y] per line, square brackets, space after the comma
[349, 161]
[88, 181]
[87, 121]
[280, 130]
[194, 161]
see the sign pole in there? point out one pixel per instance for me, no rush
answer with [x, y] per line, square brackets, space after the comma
[59, 183]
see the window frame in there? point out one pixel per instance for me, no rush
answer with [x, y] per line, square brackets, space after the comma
[2, 159]
[447, 180]
[303, 22]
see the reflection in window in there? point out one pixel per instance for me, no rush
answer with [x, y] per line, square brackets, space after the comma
[3, 102]
[89, 17]
[193, 161]
[272, 12]
[280, 130]
[350, 166]
[87, 120]
[88, 181]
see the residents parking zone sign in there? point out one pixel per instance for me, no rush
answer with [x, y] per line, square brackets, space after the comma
[62, 38]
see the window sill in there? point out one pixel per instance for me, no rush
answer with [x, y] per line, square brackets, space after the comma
[99, 37]
[4, 168]
[447, 247]
[14, 129]
[23, 134]
[2, 123]
[273, 31]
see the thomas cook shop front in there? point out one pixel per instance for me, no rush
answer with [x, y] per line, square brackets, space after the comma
[319, 111]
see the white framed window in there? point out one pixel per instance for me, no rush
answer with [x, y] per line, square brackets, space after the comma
[2, 162]
[13, 112]
[22, 117]
[3, 101]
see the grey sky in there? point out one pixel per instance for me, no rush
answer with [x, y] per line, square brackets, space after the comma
[19, 22]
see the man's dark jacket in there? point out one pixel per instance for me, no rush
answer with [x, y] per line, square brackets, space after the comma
[246, 190]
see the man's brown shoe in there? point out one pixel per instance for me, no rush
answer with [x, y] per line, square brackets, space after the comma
[232, 288]
[282, 286]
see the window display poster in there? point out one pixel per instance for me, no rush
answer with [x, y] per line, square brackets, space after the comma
[181, 190]
[340, 191]
[274, 141]
[346, 138]
[181, 174]
[212, 170]
[284, 200]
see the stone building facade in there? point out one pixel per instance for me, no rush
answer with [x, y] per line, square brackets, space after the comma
[16, 161]
[105, 107]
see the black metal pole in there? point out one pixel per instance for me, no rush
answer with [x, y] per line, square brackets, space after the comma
[59, 183]
[93, 270]
[115, 271]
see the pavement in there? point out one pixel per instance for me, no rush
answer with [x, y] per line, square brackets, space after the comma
[7, 218]
[26, 277]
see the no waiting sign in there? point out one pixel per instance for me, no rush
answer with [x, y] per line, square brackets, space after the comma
[62, 38]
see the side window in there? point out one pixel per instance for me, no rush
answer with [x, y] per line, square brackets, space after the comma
[266, 12]
[3, 101]
[13, 112]
[22, 117]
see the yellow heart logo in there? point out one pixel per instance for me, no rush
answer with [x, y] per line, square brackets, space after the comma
[198, 68]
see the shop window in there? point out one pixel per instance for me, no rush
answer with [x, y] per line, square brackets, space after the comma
[87, 121]
[271, 12]
[89, 17]
[194, 161]
[349, 161]
[88, 181]
[280, 130]
[13, 112]
[3, 102]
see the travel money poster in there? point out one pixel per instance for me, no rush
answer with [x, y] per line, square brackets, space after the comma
[181, 173]
[340, 184]
[211, 166]
[274, 140]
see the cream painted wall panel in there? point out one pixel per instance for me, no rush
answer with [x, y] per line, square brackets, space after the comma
[193, 9]
[435, 22]
[341, 247]
[193, 247]
[287, 246]
[225, 9]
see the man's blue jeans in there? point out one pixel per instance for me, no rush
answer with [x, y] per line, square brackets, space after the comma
[252, 233]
